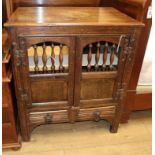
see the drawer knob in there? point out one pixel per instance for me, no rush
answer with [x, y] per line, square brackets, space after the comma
[97, 116]
[48, 118]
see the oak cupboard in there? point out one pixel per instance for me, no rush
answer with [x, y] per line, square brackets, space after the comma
[71, 64]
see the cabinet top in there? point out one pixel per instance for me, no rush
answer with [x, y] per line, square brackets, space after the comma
[70, 16]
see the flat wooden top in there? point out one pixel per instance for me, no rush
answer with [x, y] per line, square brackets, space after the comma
[68, 16]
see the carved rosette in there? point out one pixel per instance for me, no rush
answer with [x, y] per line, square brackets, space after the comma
[129, 47]
[131, 50]
[16, 54]
[23, 54]
[20, 61]
[23, 94]
[126, 56]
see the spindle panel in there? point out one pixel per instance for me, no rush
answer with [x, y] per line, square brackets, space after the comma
[101, 56]
[98, 69]
[48, 58]
[51, 71]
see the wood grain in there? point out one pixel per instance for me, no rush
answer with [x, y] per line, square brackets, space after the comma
[96, 88]
[45, 16]
[31, 3]
[94, 96]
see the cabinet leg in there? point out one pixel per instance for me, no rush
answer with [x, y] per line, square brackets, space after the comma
[26, 138]
[16, 148]
[113, 128]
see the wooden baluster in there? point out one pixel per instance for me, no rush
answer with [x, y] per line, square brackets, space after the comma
[105, 54]
[36, 68]
[44, 58]
[52, 58]
[89, 57]
[112, 56]
[61, 68]
[97, 56]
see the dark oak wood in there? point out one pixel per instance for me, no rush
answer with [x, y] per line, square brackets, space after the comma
[78, 89]
[112, 55]
[28, 3]
[97, 114]
[138, 10]
[81, 16]
[52, 58]
[12, 5]
[89, 57]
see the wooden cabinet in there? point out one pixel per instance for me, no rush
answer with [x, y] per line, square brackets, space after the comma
[71, 66]
[10, 137]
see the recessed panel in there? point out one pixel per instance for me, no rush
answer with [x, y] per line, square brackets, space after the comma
[96, 88]
[56, 3]
[49, 90]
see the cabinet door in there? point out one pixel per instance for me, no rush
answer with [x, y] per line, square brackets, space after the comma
[99, 69]
[49, 71]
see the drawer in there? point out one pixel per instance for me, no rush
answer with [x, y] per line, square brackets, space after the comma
[96, 113]
[48, 117]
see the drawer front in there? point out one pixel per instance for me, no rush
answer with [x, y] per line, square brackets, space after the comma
[97, 114]
[49, 117]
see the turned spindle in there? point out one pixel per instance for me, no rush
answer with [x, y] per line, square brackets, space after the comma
[36, 68]
[89, 57]
[61, 68]
[97, 57]
[52, 58]
[44, 58]
[105, 54]
[112, 56]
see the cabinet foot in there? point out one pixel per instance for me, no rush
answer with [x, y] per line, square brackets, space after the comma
[16, 148]
[113, 129]
[26, 138]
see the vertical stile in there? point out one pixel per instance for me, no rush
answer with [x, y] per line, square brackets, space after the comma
[112, 56]
[61, 59]
[44, 58]
[97, 56]
[36, 68]
[52, 58]
[105, 53]
[89, 57]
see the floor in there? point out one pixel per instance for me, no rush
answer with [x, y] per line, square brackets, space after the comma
[91, 138]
